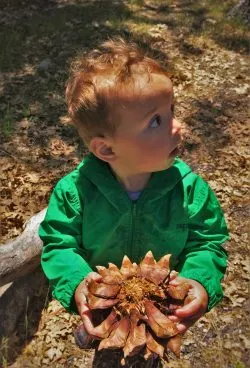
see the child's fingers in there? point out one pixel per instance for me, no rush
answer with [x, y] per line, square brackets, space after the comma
[84, 308]
[86, 316]
[188, 310]
[93, 276]
[184, 325]
[174, 318]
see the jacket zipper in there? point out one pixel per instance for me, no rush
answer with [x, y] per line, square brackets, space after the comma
[133, 228]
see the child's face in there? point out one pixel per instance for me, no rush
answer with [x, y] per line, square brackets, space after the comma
[147, 134]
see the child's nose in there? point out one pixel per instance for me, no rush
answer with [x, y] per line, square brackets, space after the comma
[176, 126]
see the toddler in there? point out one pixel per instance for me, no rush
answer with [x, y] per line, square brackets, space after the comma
[131, 193]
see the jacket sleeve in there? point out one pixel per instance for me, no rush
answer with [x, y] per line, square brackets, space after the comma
[62, 256]
[203, 258]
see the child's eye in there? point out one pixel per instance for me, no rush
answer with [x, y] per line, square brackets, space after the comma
[155, 122]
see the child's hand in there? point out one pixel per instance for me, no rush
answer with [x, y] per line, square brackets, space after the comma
[191, 312]
[81, 300]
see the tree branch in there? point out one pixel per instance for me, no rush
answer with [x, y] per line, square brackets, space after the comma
[22, 255]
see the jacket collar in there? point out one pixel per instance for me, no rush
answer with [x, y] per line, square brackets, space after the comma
[100, 174]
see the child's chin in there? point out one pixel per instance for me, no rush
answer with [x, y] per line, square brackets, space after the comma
[170, 160]
[167, 164]
[170, 163]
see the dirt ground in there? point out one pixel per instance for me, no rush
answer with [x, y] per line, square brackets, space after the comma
[206, 52]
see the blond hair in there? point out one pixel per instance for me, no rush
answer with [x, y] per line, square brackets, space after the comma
[108, 69]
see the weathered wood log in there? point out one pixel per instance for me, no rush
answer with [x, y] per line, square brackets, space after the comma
[21, 256]
[241, 9]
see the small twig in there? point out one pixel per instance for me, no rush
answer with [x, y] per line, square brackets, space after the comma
[9, 154]
[26, 321]
[167, 278]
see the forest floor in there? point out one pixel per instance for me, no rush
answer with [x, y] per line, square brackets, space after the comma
[205, 51]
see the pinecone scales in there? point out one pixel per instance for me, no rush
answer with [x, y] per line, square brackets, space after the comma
[138, 300]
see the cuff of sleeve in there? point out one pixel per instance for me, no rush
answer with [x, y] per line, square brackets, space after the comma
[67, 298]
[214, 291]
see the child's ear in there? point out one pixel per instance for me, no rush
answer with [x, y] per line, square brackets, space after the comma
[102, 149]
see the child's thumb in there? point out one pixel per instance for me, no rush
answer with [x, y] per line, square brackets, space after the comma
[87, 321]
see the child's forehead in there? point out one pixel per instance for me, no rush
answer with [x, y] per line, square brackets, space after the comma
[143, 92]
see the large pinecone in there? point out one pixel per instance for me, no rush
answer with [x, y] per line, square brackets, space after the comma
[138, 300]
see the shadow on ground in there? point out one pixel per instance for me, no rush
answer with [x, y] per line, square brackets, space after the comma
[20, 313]
[227, 28]
[41, 40]
[38, 42]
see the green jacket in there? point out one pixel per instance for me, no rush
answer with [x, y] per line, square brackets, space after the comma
[91, 221]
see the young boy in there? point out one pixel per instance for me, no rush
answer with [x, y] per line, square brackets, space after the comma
[130, 194]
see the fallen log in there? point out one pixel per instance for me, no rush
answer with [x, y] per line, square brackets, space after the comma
[21, 256]
[241, 10]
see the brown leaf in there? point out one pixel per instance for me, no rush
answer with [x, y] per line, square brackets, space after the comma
[174, 344]
[118, 335]
[179, 291]
[136, 339]
[153, 345]
[100, 289]
[160, 324]
[99, 303]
